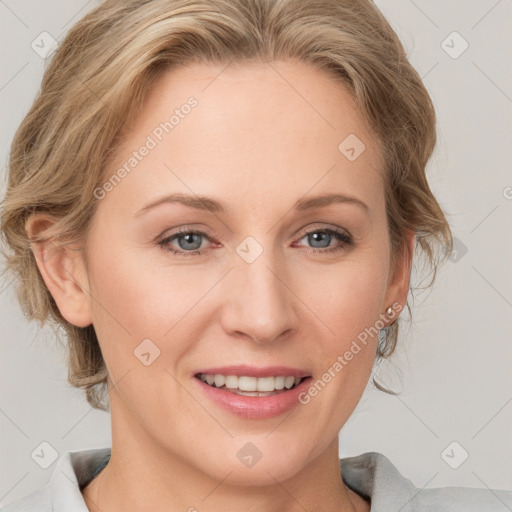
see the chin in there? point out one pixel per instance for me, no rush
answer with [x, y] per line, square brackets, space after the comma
[261, 473]
[251, 467]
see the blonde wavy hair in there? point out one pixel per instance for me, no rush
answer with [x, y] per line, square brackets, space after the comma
[98, 78]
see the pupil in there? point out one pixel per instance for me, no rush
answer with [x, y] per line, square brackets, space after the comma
[325, 236]
[190, 240]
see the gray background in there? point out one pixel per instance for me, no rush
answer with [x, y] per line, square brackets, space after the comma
[453, 364]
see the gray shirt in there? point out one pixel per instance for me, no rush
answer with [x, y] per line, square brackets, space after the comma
[371, 474]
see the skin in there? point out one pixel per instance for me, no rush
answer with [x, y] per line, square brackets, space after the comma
[258, 143]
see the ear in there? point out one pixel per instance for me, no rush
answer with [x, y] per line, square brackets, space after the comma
[400, 274]
[62, 269]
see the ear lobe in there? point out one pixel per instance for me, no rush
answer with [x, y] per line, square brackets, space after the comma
[62, 268]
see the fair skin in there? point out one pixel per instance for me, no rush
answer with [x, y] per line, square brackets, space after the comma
[256, 145]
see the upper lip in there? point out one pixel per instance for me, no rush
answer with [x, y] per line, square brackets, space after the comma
[254, 371]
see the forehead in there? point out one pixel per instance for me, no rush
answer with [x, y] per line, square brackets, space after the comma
[286, 90]
[261, 128]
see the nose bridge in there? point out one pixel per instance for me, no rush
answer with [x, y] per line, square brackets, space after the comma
[261, 304]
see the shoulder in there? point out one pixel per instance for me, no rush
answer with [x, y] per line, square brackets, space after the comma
[62, 492]
[455, 499]
[39, 500]
[374, 476]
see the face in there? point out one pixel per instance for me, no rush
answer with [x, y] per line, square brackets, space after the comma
[257, 281]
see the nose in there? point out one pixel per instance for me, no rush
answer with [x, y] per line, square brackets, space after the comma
[259, 303]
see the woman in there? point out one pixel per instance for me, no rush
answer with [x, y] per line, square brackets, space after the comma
[220, 202]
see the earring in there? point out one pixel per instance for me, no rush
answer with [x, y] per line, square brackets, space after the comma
[389, 311]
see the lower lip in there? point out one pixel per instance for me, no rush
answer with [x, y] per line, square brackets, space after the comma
[253, 407]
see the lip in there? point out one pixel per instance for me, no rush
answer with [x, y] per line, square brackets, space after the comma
[253, 407]
[253, 371]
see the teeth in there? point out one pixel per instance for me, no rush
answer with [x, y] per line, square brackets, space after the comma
[247, 383]
[267, 383]
[220, 380]
[251, 384]
[231, 381]
[279, 382]
[289, 382]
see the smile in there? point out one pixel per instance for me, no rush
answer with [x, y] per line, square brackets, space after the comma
[253, 393]
[251, 386]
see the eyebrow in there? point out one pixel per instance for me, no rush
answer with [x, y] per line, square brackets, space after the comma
[214, 206]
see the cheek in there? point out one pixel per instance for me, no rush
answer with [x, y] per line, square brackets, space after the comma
[140, 298]
[128, 306]
[124, 301]
[348, 303]
[133, 293]
[347, 297]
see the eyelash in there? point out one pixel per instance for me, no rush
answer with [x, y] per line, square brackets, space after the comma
[341, 236]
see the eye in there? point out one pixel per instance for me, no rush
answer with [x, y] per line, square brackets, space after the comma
[322, 238]
[188, 241]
